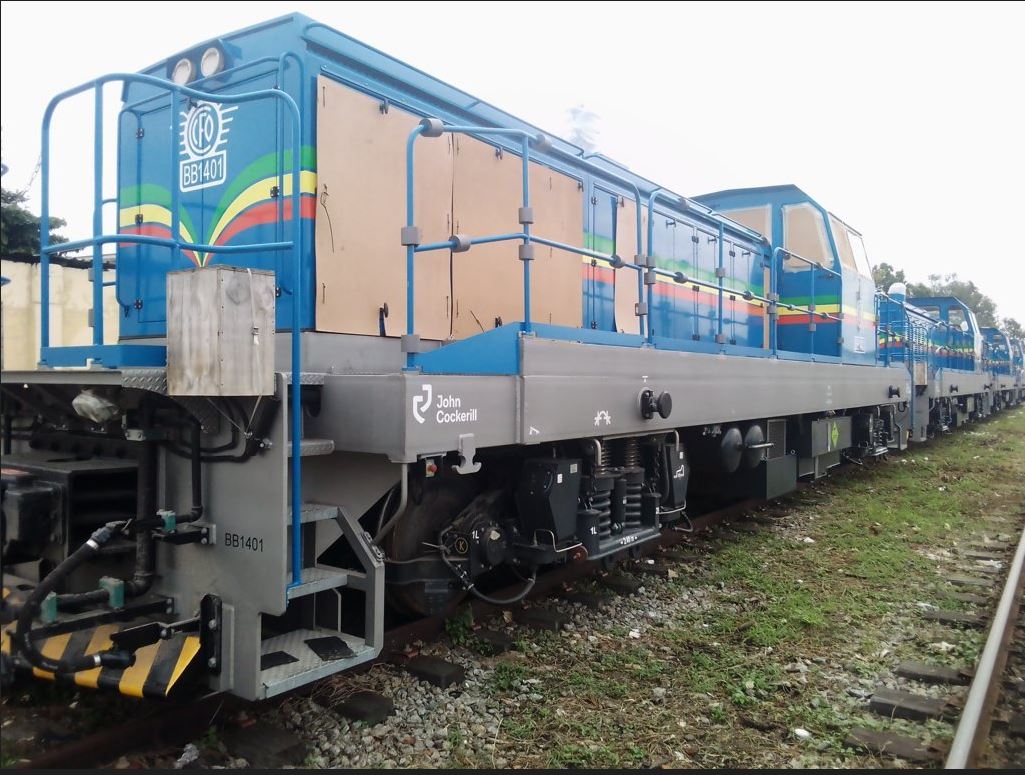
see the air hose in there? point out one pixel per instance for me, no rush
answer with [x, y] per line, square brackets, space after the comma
[471, 586]
[23, 633]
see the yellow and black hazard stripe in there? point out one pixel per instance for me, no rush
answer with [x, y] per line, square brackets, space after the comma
[157, 668]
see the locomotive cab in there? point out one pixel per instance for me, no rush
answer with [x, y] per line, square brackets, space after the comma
[824, 268]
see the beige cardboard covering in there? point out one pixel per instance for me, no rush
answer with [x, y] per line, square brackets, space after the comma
[488, 279]
[361, 190]
[757, 218]
[804, 232]
[462, 186]
[626, 279]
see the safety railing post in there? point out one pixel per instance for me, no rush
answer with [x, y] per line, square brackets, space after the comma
[526, 250]
[297, 297]
[649, 275]
[720, 273]
[44, 237]
[97, 268]
[811, 316]
[175, 172]
[773, 307]
[887, 340]
[410, 244]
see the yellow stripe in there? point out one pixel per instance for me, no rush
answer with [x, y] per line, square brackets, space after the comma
[259, 192]
[151, 214]
[189, 650]
[134, 677]
[100, 641]
[54, 649]
[6, 593]
[5, 642]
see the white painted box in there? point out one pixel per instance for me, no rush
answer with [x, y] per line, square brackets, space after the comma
[220, 332]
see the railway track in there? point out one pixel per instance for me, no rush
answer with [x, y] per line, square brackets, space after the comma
[186, 719]
[973, 730]
[974, 715]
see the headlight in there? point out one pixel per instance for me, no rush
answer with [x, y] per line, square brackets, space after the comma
[212, 62]
[183, 72]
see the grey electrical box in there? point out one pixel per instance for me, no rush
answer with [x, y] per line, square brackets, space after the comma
[220, 332]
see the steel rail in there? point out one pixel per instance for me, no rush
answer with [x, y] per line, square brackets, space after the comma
[973, 728]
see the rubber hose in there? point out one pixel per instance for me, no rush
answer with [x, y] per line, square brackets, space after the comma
[23, 633]
[145, 508]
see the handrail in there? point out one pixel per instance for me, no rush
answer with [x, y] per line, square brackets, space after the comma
[643, 264]
[176, 92]
[435, 128]
[778, 250]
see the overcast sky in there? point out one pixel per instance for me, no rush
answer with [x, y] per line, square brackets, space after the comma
[905, 120]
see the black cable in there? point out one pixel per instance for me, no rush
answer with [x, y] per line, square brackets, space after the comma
[471, 586]
[23, 634]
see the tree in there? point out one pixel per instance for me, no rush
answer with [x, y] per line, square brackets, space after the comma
[19, 228]
[985, 308]
[1014, 329]
[885, 275]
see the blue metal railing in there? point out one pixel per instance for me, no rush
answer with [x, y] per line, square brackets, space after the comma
[175, 242]
[644, 263]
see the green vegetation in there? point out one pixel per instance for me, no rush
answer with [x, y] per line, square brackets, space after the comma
[791, 617]
[459, 627]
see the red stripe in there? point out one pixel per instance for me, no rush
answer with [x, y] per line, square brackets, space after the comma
[153, 230]
[684, 293]
[791, 320]
[266, 212]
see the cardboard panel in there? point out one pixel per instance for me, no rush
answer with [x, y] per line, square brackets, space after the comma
[488, 279]
[558, 202]
[626, 279]
[361, 189]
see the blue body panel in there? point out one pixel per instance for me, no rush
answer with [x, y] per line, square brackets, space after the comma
[715, 281]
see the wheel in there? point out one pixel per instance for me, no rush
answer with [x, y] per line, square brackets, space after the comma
[439, 503]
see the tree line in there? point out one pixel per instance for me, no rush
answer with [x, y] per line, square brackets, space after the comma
[949, 285]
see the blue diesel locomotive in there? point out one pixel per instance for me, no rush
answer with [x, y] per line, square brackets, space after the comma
[381, 342]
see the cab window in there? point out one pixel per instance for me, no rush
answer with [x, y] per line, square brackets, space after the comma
[757, 218]
[804, 233]
[860, 256]
[843, 244]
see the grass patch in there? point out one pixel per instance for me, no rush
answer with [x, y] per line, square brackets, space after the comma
[785, 624]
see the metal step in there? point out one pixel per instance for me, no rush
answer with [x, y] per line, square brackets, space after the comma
[309, 447]
[305, 377]
[318, 579]
[304, 664]
[315, 512]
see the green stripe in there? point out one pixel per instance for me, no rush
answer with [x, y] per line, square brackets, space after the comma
[150, 193]
[805, 301]
[263, 167]
[602, 244]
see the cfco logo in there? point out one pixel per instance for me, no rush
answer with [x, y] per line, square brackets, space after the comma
[204, 133]
[202, 130]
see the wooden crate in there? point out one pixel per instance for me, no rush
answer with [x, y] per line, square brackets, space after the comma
[220, 332]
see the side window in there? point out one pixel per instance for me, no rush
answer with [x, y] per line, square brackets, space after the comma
[804, 233]
[843, 244]
[860, 256]
[757, 218]
[955, 317]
